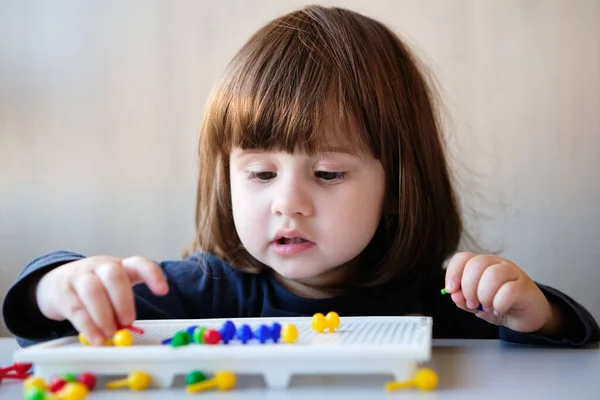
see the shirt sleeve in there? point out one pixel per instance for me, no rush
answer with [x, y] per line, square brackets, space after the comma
[578, 328]
[21, 313]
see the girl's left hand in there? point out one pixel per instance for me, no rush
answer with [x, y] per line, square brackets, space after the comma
[508, 296]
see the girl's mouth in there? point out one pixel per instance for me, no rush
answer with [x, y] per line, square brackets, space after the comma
[294, 240]
[290, 246]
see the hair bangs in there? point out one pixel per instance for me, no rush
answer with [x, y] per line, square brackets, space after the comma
[285, 93]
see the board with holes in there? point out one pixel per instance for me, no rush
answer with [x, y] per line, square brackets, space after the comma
[361, 345]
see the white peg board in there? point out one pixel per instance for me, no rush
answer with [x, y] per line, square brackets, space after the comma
[361, 345]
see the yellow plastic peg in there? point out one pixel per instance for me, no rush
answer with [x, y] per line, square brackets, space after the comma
[289, 333]
[34, 381]
[425, 379]
[333, 320]
[123, 338]
[73, 391]
[319, 323]
[136, 380]
[223, 380]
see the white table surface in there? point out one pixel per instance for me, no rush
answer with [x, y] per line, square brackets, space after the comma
[468, 369]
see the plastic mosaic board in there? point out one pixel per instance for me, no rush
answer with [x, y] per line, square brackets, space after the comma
[361, 345]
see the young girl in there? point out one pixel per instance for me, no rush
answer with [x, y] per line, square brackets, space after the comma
[323, 187]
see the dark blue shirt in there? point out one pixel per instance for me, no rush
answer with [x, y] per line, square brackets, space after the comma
[203, 286]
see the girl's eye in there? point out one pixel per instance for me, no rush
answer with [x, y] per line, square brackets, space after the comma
[330, 176]
[262, 176]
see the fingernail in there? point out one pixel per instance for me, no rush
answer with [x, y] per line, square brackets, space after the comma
[450, 287]
[470, 305]
[497, 314]
[486, 309]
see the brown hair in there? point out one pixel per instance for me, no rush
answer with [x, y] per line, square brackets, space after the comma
[320, 66]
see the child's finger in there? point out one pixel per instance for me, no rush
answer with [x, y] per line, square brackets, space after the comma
[471, 276]
[118, 288]
[492, 279]
[505, 297]
[92, 294]
[77, 314]
[142, 270]
[459, 300]
[455, 269]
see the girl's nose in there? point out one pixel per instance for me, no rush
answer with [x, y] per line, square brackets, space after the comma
[292, 198]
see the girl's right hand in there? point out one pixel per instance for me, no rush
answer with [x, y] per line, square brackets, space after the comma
[96, 293]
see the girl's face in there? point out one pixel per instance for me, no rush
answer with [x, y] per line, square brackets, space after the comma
[305, 215]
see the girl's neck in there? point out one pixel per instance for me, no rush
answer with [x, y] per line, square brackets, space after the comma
[329, 284]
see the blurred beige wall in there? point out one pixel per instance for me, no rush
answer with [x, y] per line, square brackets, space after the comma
[100, 103]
